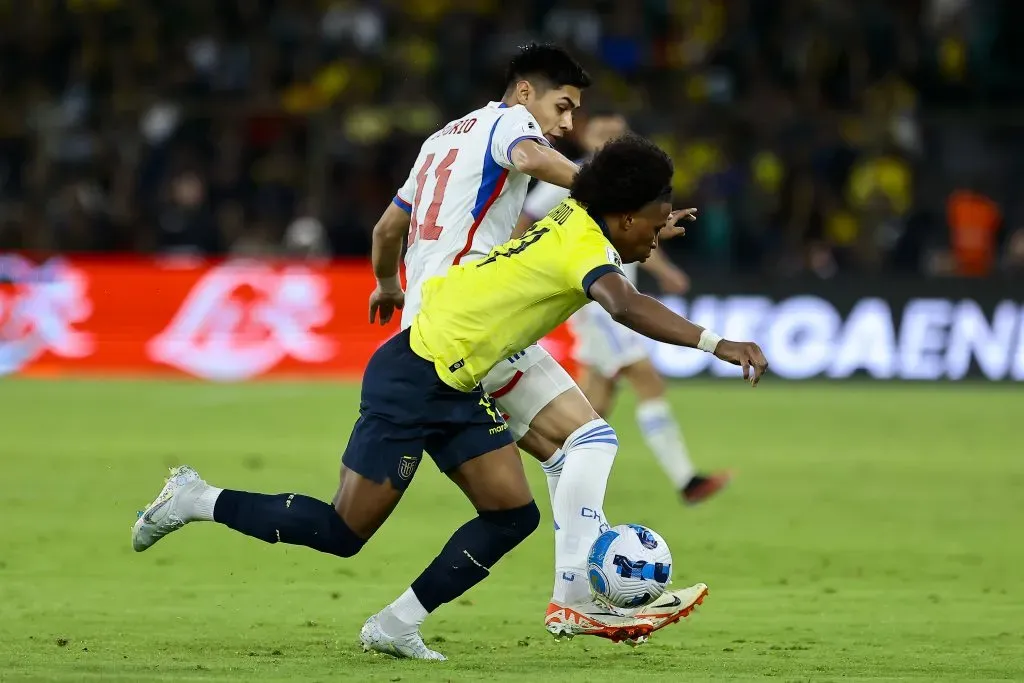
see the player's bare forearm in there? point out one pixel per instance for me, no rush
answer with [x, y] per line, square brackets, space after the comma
[386, 253]
[543, 163]
[654, 320]
[643, 313]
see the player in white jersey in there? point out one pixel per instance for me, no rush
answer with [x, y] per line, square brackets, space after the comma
[608, 351]
[462, 198]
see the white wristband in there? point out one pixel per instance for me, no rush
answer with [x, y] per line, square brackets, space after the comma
[708, 341]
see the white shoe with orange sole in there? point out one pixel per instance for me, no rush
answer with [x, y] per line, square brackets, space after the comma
[593, 619]
[670, 608]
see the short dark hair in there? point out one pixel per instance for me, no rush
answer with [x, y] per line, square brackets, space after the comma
[624, 176]
[547, 62]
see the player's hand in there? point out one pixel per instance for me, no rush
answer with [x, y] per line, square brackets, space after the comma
[747, 355]
[674, 281]
[384, 302]
[672, 227]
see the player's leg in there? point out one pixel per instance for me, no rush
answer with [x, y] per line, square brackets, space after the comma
[474, 447]
[360, 507]
[612, 352]
[548, 454]
[545, 397]
[519, 404]
[374, 475]
[598, 388]
[663, 435]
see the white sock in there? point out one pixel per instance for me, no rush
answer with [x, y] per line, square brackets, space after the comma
[579, 506]
[665, 439]
[404, 615]
[553, 471]
[198, 504]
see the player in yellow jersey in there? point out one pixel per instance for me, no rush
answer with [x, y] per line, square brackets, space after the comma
[421, 393]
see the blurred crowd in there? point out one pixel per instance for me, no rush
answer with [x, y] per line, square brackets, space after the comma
[816, 136]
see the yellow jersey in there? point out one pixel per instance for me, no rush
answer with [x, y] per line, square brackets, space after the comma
[481, 312]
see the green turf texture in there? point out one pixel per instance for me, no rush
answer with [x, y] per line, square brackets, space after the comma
[875, 532]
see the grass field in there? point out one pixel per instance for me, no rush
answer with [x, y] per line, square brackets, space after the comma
[874, 532]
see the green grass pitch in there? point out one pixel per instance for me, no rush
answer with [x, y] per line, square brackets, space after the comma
[874, 532]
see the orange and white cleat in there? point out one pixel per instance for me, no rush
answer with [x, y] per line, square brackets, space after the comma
[593, 619]
[670, 608]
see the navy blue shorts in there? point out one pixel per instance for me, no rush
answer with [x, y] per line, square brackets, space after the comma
[406, 409]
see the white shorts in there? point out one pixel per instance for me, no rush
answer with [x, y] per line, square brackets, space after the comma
[603, 344]
[523, 384]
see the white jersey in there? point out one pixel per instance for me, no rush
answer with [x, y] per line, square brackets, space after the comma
[544, 197]
[463, 195]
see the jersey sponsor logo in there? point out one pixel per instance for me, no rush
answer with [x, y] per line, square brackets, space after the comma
[40, 305]
[457, 365]
[407, 466]
[613, 257]
[241, 320]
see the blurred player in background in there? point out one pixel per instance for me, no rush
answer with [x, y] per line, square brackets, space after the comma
[462, 199]
[608, 351]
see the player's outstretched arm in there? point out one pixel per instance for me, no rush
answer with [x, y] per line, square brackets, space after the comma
[543, 163]
[386, 257]
[651, 318]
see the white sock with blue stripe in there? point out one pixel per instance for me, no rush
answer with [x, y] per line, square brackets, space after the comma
[665, 439]
[553, 471]
[578, 506]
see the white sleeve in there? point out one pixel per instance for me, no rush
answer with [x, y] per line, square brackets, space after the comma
[403, 198]
[512, 128]
[542, 199]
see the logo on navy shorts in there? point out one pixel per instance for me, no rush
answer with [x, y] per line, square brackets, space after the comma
[407, 466]
[488, 404]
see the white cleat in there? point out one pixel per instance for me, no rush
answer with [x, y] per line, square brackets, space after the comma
[162, 516]
[594, 619]
[408, 646]
[670, 608]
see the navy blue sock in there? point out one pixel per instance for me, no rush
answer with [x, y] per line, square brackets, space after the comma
[287, 518]
[470, 553]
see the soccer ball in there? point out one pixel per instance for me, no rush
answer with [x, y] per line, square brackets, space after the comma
[629, 566]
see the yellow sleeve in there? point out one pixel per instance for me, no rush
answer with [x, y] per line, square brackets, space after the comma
[587, 259]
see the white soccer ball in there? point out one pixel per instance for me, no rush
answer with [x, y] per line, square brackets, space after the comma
[629, 566]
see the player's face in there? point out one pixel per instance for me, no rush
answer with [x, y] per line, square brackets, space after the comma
[553, 108]
[639, 234]
[602, 130]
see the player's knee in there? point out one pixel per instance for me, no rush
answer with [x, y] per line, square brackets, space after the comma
[514, 525]
[335, 537]
[344, 541]
[596, 434]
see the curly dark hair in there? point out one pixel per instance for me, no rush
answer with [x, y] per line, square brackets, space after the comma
[547, 63]
[624, 176]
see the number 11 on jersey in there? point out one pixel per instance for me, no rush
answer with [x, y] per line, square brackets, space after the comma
[429, 229]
